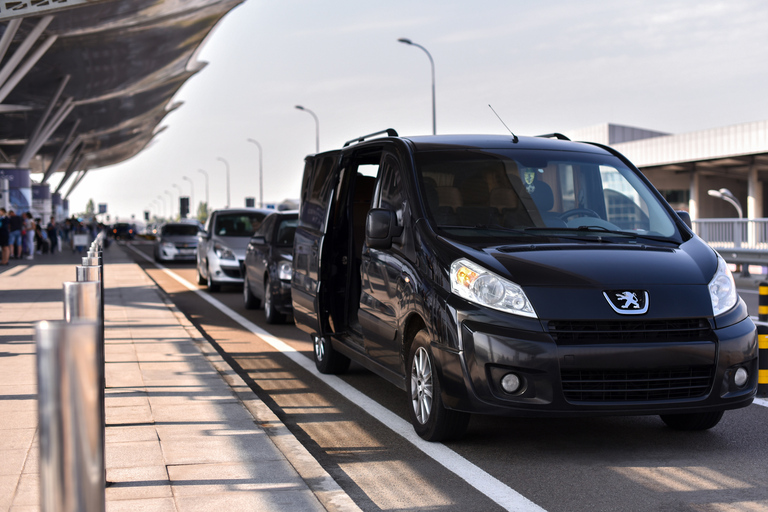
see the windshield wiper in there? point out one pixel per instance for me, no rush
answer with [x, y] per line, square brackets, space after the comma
[603, 230]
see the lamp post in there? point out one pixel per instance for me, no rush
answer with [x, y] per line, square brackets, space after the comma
[191, 194]
[207, 204]
[177, 187]
[727, 196]
[227, 165]
[170, 200]
[261, 174]
[317, 127]
[432, 64]
[162, 200]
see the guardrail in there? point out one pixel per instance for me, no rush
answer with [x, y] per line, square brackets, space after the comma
[740, 241]
[70, 376]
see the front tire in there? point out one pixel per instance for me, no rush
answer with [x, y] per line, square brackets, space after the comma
[692, 421]
[200, 279]
[213, 286]
[273, 316]
[430, 419]
[249, 299]
[328, 360]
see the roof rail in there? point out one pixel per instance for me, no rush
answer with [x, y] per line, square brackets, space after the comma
[555, 135]
[389, 131]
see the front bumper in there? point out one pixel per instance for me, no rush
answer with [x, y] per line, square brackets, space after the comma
[226, 271]
[562, 376]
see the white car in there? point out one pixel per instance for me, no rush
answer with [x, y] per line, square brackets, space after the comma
[221, 247]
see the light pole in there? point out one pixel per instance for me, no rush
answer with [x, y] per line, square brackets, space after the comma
[162, 200]
[727, 196]
[179, 201]
[227, 164]
[191, 194]
[261, 175]
[207, 204]
[317, 127]
[170, 200]
[432, 64]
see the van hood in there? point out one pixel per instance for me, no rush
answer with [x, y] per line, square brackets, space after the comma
[571, 281]
[604, 265]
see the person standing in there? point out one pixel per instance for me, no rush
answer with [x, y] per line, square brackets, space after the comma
[29, 233]
[53, 234]
[14, 241]
[5, 235]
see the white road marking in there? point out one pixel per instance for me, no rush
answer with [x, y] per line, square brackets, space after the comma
[503, 495]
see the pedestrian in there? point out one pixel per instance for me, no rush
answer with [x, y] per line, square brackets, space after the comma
[15, 223]
[5, 235]
[29, 233]
[53, 234]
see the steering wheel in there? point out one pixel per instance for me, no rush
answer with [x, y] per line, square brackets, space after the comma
[581, 212]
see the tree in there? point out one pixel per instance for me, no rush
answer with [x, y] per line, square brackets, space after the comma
[90, 208]
[202, 212]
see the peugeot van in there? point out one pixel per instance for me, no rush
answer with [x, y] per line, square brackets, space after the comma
[519, 276]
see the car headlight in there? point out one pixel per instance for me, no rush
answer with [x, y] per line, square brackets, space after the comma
[223, 252]
[478, 285]
[722, 288]
[168, 246]
[285, 270]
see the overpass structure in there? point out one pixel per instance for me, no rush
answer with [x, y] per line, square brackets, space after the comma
[85, 84]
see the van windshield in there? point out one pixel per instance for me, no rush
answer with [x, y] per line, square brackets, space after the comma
[533, 193]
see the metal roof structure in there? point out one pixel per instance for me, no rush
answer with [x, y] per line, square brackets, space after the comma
[85, 84]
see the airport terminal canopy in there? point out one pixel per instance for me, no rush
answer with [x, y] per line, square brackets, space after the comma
[85, 84]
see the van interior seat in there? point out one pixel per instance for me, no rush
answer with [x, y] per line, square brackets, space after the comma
[545, 200]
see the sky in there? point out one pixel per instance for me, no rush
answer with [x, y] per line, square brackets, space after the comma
[675, 66]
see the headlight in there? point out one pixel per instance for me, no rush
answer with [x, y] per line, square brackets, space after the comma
[285, 270]
[483, 287]
[223, 252]
[168, 246]
[722, 288]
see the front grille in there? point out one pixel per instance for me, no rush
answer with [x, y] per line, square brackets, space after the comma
[636, 385]
[234, 273]
[587, 332]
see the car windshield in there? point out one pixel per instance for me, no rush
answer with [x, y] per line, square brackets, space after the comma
[179, 229]
[525, 194]
[237, 224]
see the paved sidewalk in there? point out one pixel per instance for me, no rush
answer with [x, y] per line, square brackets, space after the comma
[184, 432]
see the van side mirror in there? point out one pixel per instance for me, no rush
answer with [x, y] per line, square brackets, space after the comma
[686, 218]
[380, 228]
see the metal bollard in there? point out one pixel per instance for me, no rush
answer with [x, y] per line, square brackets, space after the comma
[71, 432]
[762, 373]
[762, 305]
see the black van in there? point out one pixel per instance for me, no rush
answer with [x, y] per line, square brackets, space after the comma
[529, 276]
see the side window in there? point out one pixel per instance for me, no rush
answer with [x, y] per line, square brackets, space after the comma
[317, 191]
[390, 188]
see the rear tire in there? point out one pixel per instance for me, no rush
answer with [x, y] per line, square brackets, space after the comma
[430, 419]
[327, 359]
[249, 299]
[692, 421]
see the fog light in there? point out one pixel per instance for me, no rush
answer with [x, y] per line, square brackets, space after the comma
[510, 383]
[740, 377]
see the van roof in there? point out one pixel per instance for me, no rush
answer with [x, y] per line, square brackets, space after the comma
[442, 142]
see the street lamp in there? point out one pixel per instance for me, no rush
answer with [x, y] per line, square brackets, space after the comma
[191, 193]
[207, 204]
[227, 164]
[170, 200]
[727, 195]
[317, 127]
[432, 64]
[179, 201]
[261, 175]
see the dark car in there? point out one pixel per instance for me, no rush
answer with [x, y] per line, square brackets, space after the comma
[269, 266]
[123, 231]
[529, 276]
[177, 241]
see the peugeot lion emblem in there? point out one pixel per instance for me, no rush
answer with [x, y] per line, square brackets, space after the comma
[628, 302]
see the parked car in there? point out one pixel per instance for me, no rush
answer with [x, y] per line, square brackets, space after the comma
[269, 266]
[221, 247]
[123, 231]
[177, 241]
[521, 276]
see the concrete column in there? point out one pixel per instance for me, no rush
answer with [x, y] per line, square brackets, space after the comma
[693, 202]
[754, 194]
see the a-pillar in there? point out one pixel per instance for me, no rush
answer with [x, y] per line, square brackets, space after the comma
[693, 202]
